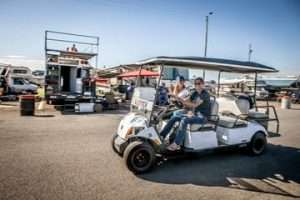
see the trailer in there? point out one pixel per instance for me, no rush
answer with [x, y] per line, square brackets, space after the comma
[15, 80]
[68, 79]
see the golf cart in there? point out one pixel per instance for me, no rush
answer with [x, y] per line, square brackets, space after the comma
[230, 124]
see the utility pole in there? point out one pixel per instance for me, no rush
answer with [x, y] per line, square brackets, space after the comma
[206, 38]
[250, 52]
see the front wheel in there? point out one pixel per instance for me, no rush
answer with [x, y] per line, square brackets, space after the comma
[258, 144]
[139, 157]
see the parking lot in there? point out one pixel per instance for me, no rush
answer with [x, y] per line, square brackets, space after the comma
[54, 156]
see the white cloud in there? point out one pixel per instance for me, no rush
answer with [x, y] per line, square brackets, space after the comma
[14, 56]
[17, 60]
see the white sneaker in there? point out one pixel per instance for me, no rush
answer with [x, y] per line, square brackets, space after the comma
[173, 147]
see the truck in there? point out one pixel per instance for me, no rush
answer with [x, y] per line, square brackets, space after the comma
[68, 70]
[15, 80]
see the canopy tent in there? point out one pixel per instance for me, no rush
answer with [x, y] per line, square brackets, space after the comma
[115, 71]
[137, 73]
[214, 64]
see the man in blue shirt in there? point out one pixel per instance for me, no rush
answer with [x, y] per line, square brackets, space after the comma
[199, 110]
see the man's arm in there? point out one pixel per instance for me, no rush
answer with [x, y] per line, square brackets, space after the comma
[190, 104]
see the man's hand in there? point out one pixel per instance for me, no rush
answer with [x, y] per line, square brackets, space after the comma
[178, 98]
[188, 103]
[190, 114]
[172, 95]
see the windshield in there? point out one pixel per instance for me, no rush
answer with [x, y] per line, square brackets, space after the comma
[26, 81]
[141, 89]
[142, 100]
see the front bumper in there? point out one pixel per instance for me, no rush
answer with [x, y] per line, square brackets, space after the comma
[120, 144]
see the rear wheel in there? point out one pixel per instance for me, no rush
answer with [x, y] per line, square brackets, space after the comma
[139, 157]
[258, 144]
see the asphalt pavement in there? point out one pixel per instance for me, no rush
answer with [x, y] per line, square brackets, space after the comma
[54, 156]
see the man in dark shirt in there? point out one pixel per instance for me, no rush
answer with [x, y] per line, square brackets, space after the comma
[199, 110]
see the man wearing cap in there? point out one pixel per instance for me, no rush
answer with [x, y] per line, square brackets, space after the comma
[198, 105]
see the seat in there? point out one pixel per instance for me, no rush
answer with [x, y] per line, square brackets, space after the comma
[211, 123]
[214, 106]
[202, 127]
[230, 122]
[257, 115]
[233, 105]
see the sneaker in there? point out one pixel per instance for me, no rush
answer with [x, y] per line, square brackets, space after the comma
[173, 147]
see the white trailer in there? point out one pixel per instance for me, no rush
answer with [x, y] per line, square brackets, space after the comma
[68, 71]
[17, 79]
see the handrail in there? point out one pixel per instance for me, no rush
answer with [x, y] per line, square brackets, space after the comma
[64, 33]
[275, 114]
[72, 41]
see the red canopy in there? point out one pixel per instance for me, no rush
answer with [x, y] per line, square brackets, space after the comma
[136, 73]
[102, 81]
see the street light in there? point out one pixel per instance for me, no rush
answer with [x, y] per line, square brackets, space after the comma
[206, 37]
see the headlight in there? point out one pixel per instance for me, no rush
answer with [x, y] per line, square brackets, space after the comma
[224, 137]
[129, 132]
[133, 131]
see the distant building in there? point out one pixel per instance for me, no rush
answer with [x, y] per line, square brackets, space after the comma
[171, 73]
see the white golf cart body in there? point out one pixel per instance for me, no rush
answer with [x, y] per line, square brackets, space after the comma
[226, 133]
[221, 130]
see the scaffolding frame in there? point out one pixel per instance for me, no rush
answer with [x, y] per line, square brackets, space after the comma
[48, 38]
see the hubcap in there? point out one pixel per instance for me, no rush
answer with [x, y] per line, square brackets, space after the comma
[141, 158]
[258, 145]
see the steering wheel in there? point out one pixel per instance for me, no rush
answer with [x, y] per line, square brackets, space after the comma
[162, 112]
[157, 112]
[177, 103]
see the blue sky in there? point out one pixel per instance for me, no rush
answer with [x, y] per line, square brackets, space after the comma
[134, 30]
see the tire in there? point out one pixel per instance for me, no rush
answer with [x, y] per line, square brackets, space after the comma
[258, 144]
[139, 157]
[115, 135]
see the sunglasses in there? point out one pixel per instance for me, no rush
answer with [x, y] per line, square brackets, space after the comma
[198, 83]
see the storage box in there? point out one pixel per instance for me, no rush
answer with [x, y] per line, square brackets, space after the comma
[84, 107]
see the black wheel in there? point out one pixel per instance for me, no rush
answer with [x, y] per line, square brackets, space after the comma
[139, 157]
[115, 135]
[258, 144]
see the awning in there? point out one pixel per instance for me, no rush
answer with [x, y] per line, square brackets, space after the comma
[136, 73]
[104, 82]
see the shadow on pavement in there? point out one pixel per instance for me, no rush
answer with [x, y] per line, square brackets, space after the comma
[123, 109]
[276, 171]
[44, 115]
[295, 108]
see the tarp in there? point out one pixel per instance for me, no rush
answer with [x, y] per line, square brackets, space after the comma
[136, 73]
